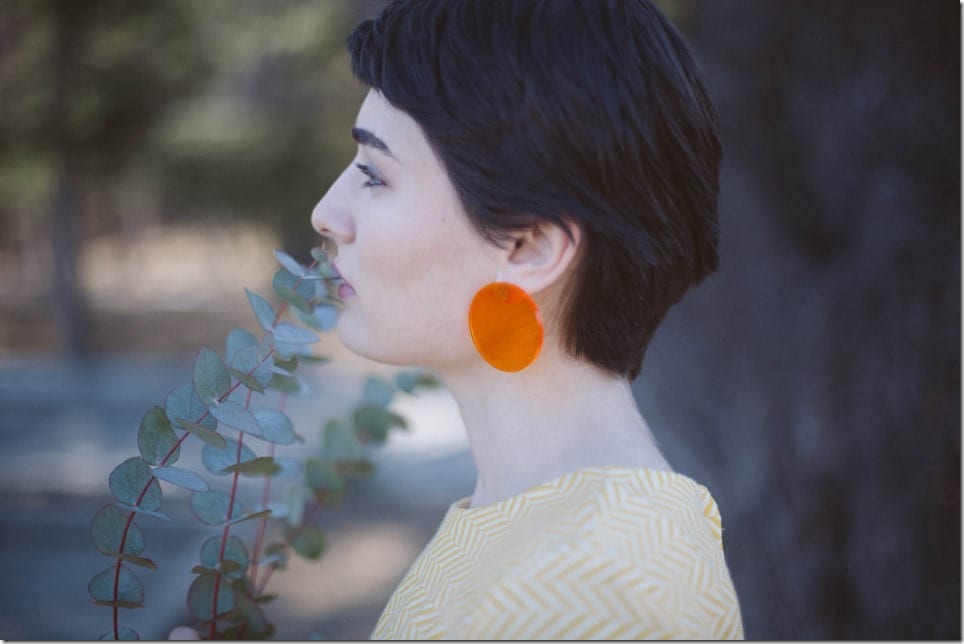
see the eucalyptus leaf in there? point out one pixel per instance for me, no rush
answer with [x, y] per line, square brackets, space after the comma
[107, 530]
[250, 516]
[211, 378]
[184, 402]
[287, 332]
[408, 381]
[248, 380]
[248, 360]
[130, 591]
[181, 478]
[261, 466]
[324, 479]
[325, 251]
[211, 507]
[309, 542]
[132, 484]
[233, 414]
[212, 438]
[151, 513]
[374, 421]
[256, 623]
[156, 439]
[289, 385]
[238, 339]
[217, 460]
[123, 633]
[293, 290]
[276, 552]
[200, 596]
[262, 310]
[326, 315]
[143, 562]
[340, 442]
[290, 263]
[266, 346]
[377, 392]
[275, 425]
[234, 551]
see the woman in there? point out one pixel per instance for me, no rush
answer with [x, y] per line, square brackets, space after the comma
[535, 185]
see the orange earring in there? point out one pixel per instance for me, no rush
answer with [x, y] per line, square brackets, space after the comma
[506, 326]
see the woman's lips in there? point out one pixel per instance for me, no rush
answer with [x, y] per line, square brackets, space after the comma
[344, 289]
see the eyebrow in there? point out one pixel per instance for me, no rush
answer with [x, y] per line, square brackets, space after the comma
[364, 137]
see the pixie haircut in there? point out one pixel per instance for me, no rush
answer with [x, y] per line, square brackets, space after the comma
[592, 112]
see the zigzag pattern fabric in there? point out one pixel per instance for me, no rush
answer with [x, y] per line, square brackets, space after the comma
[602, 553]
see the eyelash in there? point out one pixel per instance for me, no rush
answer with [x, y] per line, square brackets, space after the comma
[373, 179]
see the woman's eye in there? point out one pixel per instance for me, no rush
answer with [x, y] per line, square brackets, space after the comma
[373, 179]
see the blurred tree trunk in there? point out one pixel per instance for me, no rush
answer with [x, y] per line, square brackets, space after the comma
[814, 382]
[65, 213]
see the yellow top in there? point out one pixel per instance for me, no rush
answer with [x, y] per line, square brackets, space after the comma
[602, 553]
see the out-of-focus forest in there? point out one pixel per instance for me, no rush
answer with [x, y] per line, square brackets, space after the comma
[153, 154]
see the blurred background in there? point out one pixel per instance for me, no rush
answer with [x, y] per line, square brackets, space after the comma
[153, 154]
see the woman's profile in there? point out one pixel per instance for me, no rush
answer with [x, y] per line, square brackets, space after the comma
[535, 186]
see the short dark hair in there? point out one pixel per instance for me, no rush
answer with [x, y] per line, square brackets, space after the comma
[589, 111]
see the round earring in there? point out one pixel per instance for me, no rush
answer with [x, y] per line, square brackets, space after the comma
[506, 326]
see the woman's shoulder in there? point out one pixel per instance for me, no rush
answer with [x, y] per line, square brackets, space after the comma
[636, 553]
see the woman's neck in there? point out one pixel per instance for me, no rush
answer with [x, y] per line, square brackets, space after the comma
[557, 416]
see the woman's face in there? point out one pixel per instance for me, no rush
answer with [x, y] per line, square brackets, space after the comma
[411, 259]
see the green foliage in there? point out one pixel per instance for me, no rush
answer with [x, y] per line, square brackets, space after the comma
[227, 595]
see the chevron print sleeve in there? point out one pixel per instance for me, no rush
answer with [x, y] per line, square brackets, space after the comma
[603, 553]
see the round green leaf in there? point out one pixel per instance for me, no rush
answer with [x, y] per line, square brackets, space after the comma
[107, 531]
[208, 436]
[211, 507]
[130, 591]
[326, 316]
[323, 477]
[233, 414]
[211, 378]
[262, 310]
[378, 392]
[249, 368]
[200, 596]
[376, 421]
[340, 442]
[290, 263]
[123, 633]
[238, 339]
[128, 482]
[275, 425]
[184, 402]
[234, 551]
[293, 291]
[155, 438]
[216, 460]
[181, 478]
[287, 332]
[308, 542]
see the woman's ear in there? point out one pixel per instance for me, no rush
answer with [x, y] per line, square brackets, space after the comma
[539, 255]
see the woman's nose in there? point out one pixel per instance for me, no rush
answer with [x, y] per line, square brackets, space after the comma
[332, 216]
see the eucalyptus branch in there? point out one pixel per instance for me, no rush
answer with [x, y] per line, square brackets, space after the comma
[230, 583]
